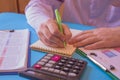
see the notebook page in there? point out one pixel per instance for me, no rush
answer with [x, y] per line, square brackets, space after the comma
[13, 55]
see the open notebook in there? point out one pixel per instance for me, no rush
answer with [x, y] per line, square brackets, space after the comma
[67, 51]
[13, 50]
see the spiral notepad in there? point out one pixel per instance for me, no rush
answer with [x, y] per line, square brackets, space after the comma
[67, 51]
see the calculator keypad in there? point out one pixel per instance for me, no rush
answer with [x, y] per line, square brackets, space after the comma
[60, 66]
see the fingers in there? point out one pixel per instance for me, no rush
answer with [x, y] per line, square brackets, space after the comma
[80, 37]
[67, 32]
[49, 42]
[50, 35]
[97, 38]
[97, 45]
[53, 28]
[86, 32]
[87, 41]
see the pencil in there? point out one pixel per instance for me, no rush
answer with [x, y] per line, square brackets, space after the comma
[59, 21]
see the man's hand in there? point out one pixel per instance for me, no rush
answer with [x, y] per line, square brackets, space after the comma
[116, 3]
[51, 36]
[97, 38]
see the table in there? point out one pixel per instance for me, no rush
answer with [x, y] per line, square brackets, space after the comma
[18, 21]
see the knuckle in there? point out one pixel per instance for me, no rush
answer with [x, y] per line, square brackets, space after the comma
[55, 32]
[50, 37]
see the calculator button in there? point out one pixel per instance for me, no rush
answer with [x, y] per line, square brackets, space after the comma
[47, 57]
[60, 64]
[62, 60]
[68, 65]
[76, 67]
[57, 67]
[66, 69]
[44, 60]
[63, 73]
[75, 71]
[72, 74]
[57, 71]
[56, 58]
[37, 66]
[44, 68]
[52, 62]
[41, 63]
[51, 69]
[48, 65]
[70, 62]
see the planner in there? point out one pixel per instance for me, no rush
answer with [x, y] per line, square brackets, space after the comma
[13, 50]
[67, 51]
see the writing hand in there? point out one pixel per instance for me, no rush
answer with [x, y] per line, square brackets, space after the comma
[50, 34]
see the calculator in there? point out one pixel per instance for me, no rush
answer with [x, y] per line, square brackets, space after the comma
[55, 67]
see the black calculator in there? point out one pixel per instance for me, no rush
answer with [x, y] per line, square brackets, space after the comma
[55, 67]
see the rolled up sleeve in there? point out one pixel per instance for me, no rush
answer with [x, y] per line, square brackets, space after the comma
[39, 11]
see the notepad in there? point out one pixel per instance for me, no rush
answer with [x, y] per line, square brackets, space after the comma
[67, 51]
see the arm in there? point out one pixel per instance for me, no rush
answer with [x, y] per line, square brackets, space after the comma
[40, 15]
[39, 11]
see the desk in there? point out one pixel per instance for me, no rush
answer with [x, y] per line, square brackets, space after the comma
[18, 21]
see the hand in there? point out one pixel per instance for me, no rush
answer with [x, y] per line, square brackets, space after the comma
[116, 3]
[51, 36]
[97, 38]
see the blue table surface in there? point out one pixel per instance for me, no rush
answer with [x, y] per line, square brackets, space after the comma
[18, 21]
